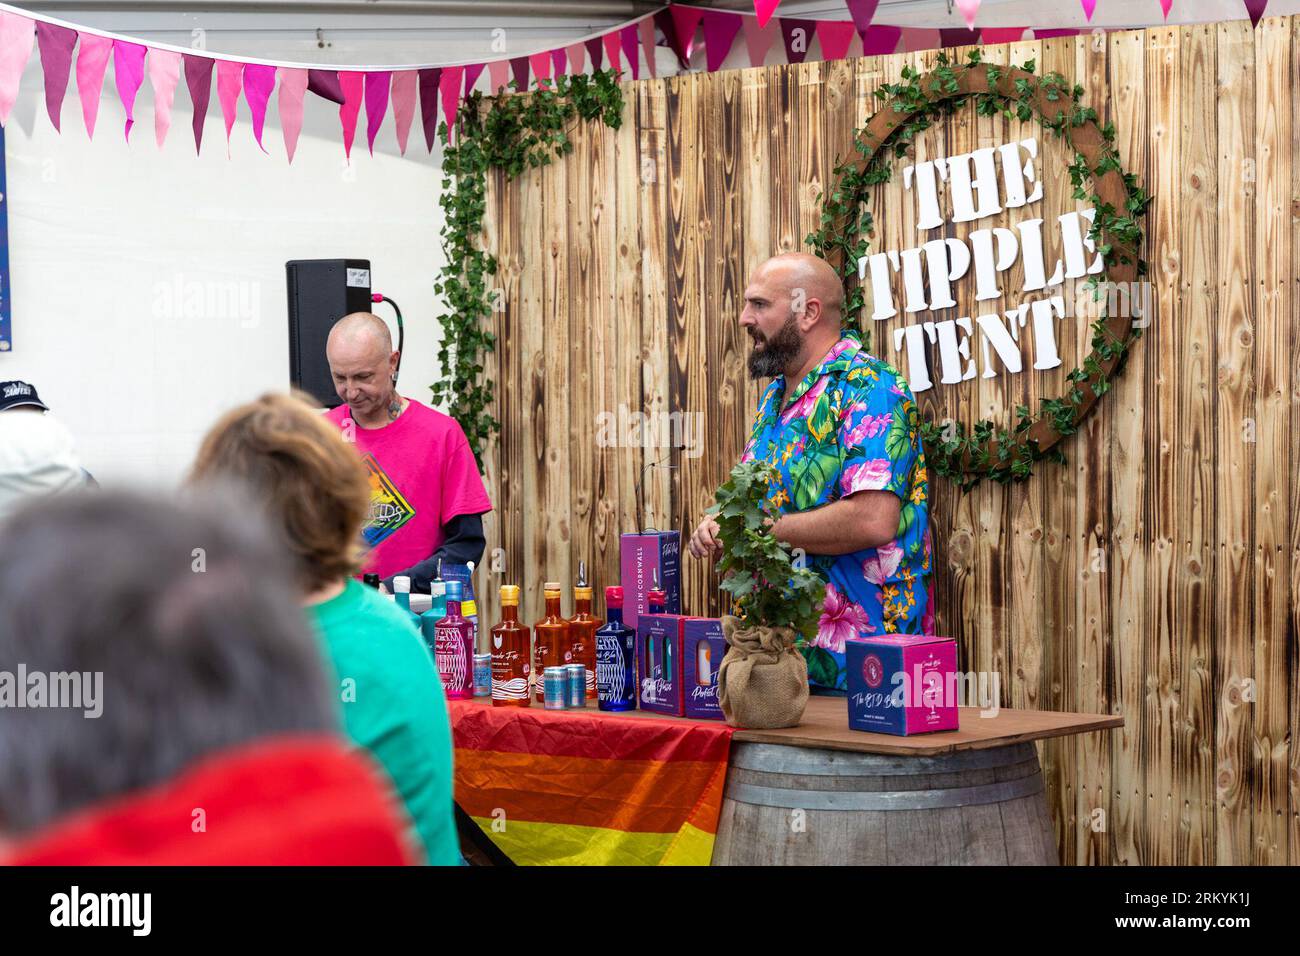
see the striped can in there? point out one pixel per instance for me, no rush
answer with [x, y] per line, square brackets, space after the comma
[555, 688]
[576, 685]
[482, 675]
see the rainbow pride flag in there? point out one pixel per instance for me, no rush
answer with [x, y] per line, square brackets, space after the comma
[587, 787]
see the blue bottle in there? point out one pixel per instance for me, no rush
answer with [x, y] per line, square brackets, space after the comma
[430, 618]
[615, 657]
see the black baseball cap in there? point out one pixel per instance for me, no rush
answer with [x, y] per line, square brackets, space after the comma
[14, 394]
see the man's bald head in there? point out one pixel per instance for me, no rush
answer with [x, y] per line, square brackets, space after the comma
[793, 306]
[362, 362]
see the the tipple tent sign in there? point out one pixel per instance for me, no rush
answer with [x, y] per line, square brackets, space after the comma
[992, 339]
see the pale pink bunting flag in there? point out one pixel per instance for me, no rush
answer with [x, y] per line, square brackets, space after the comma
[164, 74]
[293, 87]
[920, 39]
[968, 10]
[230, 77]
[498, 75]
[647, 30]
[759, 40]
[403, 95]
[92, 60]
[352, 83]
[577, 53]
[17, 36]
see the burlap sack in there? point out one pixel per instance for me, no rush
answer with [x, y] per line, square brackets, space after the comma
[763, 680]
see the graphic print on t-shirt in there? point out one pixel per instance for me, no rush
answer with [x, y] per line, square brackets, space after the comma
[388, 509]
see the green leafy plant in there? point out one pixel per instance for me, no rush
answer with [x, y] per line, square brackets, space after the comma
[770, 589]
[511, 134]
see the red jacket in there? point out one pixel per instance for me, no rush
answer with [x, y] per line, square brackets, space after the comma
[293, 801]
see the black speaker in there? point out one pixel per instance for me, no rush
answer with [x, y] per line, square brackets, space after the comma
[321, 291]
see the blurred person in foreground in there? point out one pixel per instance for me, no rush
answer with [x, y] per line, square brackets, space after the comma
[175, 706]
[38, 456]
[303, 473]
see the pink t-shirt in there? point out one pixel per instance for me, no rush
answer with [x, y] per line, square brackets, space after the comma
[422, 474]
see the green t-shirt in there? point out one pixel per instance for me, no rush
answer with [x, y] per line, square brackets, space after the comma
[393, 705]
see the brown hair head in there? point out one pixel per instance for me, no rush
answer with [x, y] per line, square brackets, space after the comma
[302, 471]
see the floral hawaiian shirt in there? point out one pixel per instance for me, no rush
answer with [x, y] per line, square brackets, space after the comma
[851, 425]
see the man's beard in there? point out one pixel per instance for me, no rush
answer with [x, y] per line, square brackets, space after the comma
[778, 352]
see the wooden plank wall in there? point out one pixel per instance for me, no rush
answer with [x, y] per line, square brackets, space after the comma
[1157, 575]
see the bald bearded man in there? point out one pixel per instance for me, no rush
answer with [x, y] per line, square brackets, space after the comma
[841, 428]
[426, 495]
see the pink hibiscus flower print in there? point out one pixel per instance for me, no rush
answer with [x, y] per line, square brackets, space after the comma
[870, 475]
[840, 620]
[927, 619]
[869, 426]
[879, 568]
[803, 406]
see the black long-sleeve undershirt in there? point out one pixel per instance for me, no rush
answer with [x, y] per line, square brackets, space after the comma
[463, 542]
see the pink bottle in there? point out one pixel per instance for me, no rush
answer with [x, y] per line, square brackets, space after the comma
[453, 648]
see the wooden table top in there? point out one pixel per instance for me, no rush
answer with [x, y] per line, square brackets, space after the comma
[826, 726]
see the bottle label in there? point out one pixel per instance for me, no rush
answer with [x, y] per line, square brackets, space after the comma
[452, 657]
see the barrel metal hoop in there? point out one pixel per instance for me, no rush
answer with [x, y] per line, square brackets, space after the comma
[746, 793]
[777, 758]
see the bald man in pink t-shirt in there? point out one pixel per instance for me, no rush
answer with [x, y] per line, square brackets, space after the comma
[426, 496]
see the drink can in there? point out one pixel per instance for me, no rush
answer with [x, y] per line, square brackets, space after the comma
[576, 676]
[482, 675]
[555, 689]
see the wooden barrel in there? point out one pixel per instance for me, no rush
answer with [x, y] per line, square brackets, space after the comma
[787, 805]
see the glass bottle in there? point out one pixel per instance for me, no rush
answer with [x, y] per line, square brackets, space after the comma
[511, 649]
[615, 657]
[454, 648]
[582, 631]
[552, 638]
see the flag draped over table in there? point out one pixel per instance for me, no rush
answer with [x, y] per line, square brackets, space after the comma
[578, 788]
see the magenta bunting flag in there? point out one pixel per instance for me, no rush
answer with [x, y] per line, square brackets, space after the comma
[759, 40]
[1048, 34]
[720, 29]
[259, 81]
[198, 79]
[92, 60]
[613, 56]
[229, 79]
[920, 39]
[559, 63]
[472, 72]
[798, 36]
[595, 53]
[519, 67]
[498, 75]
[404, 104]
[377, 83]
[880, 40]
[957, 36]
[968, 10]
[293, 88]
[56, 44]
[577, 56]
[764, 9]
[862, 11]
[450, 89]
[325, 84]
[1001, 34]
[351, 82]
[1088, 7]
[429, 80]
[686, 20]
[164, 74]
[128, 74]
[630, 49]
[541, 67]
[17, 34]
[835, 37]
[647, 30]
[1256, 10]
[1164, 7]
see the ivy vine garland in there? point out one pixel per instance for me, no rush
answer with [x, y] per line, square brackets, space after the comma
[512, 134]
[1016, 92]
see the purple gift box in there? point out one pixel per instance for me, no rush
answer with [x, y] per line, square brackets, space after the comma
[902, 684]
[702, 648]
[640, 556]
[659, 663]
